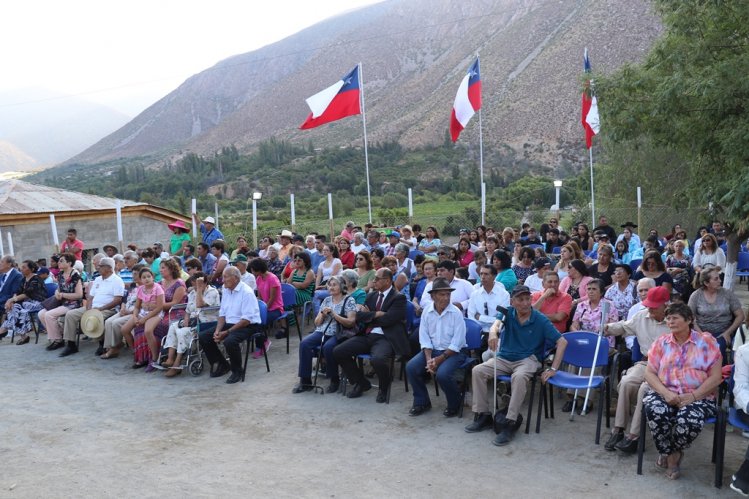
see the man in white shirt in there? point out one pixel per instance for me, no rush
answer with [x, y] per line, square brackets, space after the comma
[238, 320]
[535, 282]
[240, 262]
[462, 288]
[105, 295]
[488, 295]
[442, 337]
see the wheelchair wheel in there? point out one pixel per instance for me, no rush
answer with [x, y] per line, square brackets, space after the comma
[196, 366]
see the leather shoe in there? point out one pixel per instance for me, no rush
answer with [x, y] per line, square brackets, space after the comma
[234, 378]
[382, 395]
[359, 388]
[69, 350]
[55, 345]
[301, 387]
[333, 387]
[614, 439]
[418, 410]
[221, 370]
[627, 446]
[100, 351]
[450, 413]
[480, 423]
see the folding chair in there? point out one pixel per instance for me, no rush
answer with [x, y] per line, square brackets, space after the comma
[264, 325]
[742, 267]
[473, 344]
[288, 294]
[580, 351]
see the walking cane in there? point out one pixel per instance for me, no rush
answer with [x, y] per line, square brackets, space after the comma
[604, 315]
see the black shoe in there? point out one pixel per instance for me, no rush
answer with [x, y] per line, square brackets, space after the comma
[70, 349]
[280, 334]
[740, 486]
[100, 351]
[382, 395]
[3, 335]
[55, 345]
[333, 387]
[567, 407]
[450, 413]
[506, 435]
[301, 387]
[221, 370]
[480, 423]
[614, 439]
[234, 378]
[627, 446]
[418, 410]
[359, 388]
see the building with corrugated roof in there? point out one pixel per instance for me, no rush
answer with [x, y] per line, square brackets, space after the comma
[25, 211]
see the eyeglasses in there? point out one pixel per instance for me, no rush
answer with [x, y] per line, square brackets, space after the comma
[441, 253]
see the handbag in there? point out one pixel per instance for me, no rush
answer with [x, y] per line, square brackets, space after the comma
[51, 303]
[345, 333]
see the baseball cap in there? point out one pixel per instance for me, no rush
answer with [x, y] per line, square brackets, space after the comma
[520, 290]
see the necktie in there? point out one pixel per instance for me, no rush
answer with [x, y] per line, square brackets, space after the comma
[378, 307]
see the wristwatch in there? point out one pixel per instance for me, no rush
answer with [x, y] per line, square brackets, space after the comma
[552, 369]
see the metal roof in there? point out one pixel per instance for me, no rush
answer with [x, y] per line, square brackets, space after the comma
[18, 197]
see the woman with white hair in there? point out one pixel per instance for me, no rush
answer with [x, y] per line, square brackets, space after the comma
[359, 243]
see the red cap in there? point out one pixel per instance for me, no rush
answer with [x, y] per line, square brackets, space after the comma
[657, 296]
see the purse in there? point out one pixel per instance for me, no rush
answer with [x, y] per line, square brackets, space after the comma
[51, 303]
[345, 333]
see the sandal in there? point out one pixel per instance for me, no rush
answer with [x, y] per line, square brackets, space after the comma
[24, 339]
[109, 355]
[138, 365]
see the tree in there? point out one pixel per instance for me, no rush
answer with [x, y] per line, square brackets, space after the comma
[691, 94]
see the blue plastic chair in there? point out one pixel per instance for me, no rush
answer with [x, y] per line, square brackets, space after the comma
[288, 294]
[556, 250]
[264, 325]
[742, 267]
[634, 264]
[473, 345]
[414, 253]
[535, 246]
[34, 316]
[581, 346]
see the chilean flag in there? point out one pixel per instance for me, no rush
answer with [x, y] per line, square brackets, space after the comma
[335, 102]
[590, 119]
[467, 101]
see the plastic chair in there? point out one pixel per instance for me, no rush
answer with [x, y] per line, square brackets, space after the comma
[535, 246]
[414, 253]
[473, 345]
[556, 250]
[34, 316]
[742, 267]
[581, 346]
[288, 294]
[264, 325]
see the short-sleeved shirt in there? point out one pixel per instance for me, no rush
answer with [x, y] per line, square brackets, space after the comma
[350, 304]
[76, 248]
[508, 278]
[520, 341]
[560, 302]
[683, 368]
[590, 317]
[175, 242]
[622, 300]
[265, 283]
[148, 299]
[104, 291]
[714, 317]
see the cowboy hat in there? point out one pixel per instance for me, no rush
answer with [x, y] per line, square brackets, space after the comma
[440, 284]
[177, 224]
[286, 233]
[629, 224]
[109, 246]
[209, 220]
[92, 323]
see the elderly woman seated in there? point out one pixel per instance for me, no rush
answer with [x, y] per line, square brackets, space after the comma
[684, 369]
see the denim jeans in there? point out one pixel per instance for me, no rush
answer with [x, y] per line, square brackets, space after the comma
[306, 354]
[416, 368]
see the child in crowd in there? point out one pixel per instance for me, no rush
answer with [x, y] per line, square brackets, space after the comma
[147, 314]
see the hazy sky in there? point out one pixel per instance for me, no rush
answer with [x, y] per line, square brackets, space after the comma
[130, 54]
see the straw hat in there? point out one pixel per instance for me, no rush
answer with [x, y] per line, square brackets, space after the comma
[177, 224]
[92, 323]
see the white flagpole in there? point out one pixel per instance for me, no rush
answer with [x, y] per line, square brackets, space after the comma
[481, 169]
[483, 202]
[10, 244]
[55, 239]
[366, 154]
[2, 248]
[592, 195]
[194, 220]
[215, 207]
[118, 212]
[293, 214]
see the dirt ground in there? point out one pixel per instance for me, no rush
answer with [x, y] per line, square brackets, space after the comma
[85, 427]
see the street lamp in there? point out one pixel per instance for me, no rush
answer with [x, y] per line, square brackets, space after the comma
[255, 198]
[558, 187]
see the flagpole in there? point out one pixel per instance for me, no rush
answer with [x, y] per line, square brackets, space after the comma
[366, 154]
[481, 169]
[592, 195]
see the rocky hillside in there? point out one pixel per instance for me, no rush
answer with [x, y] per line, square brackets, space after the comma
[414, 54]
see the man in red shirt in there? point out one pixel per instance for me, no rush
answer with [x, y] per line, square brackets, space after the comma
[555, 305]
[72, 245]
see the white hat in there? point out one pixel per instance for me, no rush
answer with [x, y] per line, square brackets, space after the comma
[209, 220]
[286, 233]
[92, 323]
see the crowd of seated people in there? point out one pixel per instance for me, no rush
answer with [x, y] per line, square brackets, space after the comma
[360, 284]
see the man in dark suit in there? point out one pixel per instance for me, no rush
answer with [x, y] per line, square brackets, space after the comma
[11, 280]
[384, 317]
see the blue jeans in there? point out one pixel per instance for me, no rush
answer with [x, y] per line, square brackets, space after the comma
[306, 354]
[416, 368]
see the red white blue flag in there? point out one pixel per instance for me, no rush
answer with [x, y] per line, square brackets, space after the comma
[467, 101]
[335, 102]
[590, 119]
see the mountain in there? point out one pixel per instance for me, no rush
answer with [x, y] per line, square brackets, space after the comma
[414, 54]
[46, 127]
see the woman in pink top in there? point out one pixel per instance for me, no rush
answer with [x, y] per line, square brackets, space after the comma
[268, 288]
[146, 316]
[684, 369]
